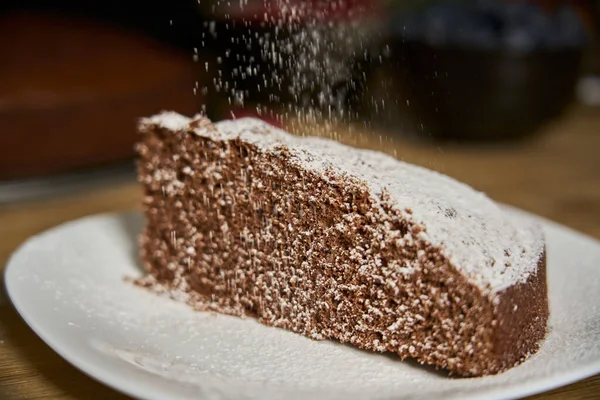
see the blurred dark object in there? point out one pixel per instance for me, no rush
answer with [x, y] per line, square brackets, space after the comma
[595, 18]
[170, 21]
[508, 25]
[454, 93]
[588, 88]
[479, 69]
[71, 90]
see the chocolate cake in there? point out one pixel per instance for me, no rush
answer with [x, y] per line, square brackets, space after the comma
[334, 242]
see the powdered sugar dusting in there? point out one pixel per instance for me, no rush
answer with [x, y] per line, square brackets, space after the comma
[169, 120]
[492, 249]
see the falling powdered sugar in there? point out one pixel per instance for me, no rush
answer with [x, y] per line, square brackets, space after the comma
[293, 61]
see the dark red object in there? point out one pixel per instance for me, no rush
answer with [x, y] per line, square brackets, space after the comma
[72, 89]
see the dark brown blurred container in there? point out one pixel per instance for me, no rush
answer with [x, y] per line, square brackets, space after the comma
[72, 89]
[461, 94]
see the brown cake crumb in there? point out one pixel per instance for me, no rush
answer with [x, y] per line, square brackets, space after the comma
[239, 229]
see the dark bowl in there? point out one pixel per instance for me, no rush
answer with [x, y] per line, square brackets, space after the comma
[469, 94]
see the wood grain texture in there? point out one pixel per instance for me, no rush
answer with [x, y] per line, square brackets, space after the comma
[556, 176]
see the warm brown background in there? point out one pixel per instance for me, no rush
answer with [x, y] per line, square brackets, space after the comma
[556, 176]
[61, 76]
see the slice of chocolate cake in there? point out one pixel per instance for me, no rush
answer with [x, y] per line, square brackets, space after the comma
[333, 242]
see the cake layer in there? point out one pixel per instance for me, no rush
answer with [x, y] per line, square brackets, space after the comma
[338, 243]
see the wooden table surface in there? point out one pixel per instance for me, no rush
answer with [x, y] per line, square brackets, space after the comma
[556, 176]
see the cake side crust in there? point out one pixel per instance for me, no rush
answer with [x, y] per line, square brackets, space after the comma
[522, 313]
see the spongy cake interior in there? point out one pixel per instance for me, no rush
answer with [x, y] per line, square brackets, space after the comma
[248, 220]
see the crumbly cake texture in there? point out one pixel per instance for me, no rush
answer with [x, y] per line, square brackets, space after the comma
[334, 242]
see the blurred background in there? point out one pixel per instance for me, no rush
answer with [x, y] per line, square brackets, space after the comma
[503, 95]
[77, 75]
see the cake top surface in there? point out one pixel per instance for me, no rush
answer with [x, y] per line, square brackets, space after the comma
[492, 248]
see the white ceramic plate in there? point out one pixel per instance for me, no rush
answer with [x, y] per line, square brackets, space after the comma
[68, 284]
